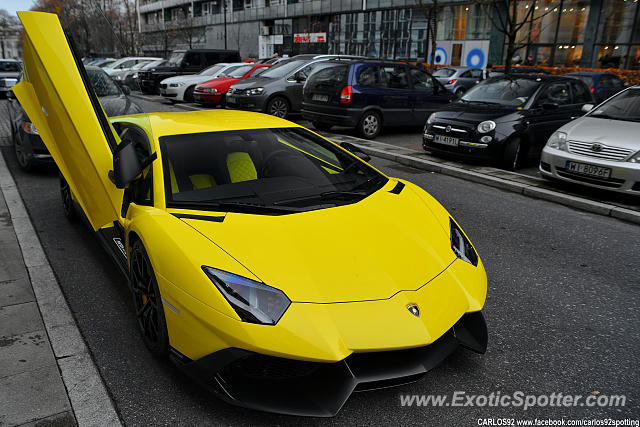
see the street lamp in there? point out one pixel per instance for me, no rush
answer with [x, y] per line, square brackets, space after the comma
[224, 11]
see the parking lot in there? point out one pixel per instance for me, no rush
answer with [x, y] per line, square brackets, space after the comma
[562, 310]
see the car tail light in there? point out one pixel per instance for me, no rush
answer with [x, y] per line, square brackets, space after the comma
[345, 95]
[452, 81]
[591, 89]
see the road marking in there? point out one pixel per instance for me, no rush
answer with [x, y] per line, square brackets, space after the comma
[89, 398]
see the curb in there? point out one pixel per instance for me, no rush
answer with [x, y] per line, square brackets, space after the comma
[89, 398]
[569, 200]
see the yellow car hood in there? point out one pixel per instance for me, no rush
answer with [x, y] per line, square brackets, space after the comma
[368, 250]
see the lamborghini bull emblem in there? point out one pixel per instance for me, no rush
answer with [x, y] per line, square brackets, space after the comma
[414, 309]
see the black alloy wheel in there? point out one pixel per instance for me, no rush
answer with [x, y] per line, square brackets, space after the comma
[278, 107]
[188, 94]
[24, 158]
[67, 200]
[147, 301]
[511, 154]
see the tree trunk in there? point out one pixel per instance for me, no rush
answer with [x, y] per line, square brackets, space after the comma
[434, 33]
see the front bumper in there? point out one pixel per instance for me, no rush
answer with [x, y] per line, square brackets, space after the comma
[624, 178]
[469, 145]
[170, 92]
[244, 102]
[303, 388]
[207, 98]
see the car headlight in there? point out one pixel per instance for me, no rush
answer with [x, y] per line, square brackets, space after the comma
[558, 140]
[635, 158]
[254, 302]
[135, 75]
[486, 126]
[254, 91]
[461, 245]
[118, 77]
[431, 118]
[174, 84]
[29, 128]
[210, 90]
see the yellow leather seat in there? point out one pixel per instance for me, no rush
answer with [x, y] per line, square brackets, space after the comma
[241, 167]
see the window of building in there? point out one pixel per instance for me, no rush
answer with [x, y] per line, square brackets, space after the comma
[573, 19]
[478, 26]
[616, 21]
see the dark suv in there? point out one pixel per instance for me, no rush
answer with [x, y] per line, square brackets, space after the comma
[369, 94]
[182, 62]
[506, 119]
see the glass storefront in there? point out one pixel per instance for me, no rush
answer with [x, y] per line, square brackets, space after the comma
[617, 30]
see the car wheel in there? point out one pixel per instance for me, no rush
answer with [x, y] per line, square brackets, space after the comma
[322, 126]
[188, 94]
[25, 159]
[147, 301]
[67, 200]
[511, 154]
[278, 107]
[369, 125]
[460, 91]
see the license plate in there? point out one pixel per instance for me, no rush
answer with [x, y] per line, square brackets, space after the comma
[446, 140]
[590, 170]
[320, 98]
[163, 91]
[231, 99]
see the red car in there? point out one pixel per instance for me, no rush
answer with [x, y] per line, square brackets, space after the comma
[213, 91]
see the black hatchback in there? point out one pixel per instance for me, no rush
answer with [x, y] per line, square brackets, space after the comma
[368, 94]
[506, 119]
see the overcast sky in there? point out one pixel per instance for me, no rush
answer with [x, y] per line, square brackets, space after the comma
[12, 6]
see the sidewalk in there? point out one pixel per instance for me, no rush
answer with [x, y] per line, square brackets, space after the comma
[47, 375]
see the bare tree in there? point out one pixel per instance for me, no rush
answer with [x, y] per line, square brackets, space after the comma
[504, 16]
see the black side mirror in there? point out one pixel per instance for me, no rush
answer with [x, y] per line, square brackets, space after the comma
[355, 151]
[126, 90]
[126, 165]
[549, 106]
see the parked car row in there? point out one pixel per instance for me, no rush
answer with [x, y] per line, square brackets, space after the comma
[28, 146]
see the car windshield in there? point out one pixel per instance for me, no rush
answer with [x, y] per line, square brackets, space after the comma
[213, 70]
[237, 72]
[444, 72]
[281, 170]
[283, 68]
[9, 67]
[624, 106]
[176, 59]
[102, 83]
[505, 91]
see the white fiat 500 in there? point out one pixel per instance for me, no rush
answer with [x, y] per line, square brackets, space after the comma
[600, 149]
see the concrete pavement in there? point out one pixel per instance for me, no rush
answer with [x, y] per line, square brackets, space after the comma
[47, 375]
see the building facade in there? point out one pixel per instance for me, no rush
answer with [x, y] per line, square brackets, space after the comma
[589, 33]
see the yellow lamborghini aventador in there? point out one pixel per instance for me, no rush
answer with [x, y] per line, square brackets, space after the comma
[275, 267]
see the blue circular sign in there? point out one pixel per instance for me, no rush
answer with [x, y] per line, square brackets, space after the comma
[441, 56]
[475, 58]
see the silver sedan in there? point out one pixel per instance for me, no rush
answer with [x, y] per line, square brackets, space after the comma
[600, 149]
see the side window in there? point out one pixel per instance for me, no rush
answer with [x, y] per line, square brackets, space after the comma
[466, 74]
[126, 64]
[369, 76]
[141, 189]
[556, 93]
[476, 73]
[422, 82]
[581, 94]
[192, 59]
[616, 82]
[605, 81]
[395, 77]
[302, 74]
[212, 58]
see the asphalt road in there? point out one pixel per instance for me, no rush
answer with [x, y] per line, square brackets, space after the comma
[563, 311]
